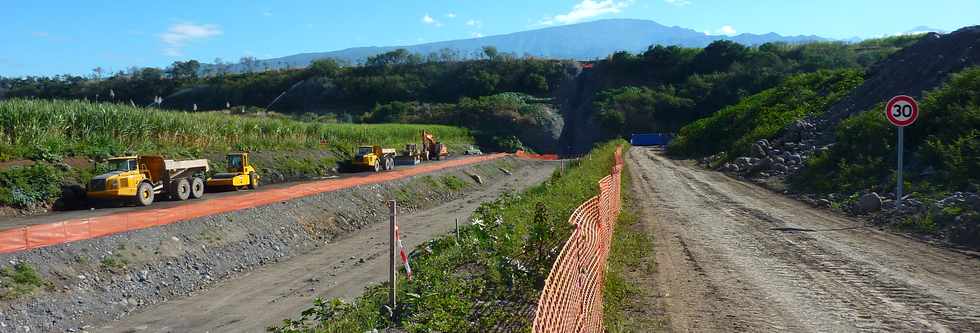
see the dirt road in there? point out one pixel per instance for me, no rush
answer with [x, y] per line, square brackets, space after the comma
[252, 302]
[732, 256]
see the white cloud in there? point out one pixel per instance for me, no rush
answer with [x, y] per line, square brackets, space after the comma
[474, 23]
[451, 15]
[40, 34]
[587, 9]
[430, 21]
[678, 3]
[725, 30]
[476, 35]
[267, 13]
[182, 33]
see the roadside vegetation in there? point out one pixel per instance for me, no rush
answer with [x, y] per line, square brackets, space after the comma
[761, 116]
[37, 136]
[19, 280]
[489, 278]
[628, 294]
[942, 157]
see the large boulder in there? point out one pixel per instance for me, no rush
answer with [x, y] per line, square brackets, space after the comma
[868, 203]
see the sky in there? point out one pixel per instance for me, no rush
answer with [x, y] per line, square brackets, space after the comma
[41, 37]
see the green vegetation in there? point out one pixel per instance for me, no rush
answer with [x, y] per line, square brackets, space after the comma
[453, 183]
[496, 120]
[486, 280]
[631, 260]
[944, 145]
[77, 128]
[29, 186]
[19, 280]
[666, 88]
[763, 115]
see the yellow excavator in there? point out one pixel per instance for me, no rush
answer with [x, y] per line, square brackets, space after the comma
[239, 173]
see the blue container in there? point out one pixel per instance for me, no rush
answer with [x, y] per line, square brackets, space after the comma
[650, 139]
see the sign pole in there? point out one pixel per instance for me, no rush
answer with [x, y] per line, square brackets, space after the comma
[901, 158]
[392, 207]
[901, 111]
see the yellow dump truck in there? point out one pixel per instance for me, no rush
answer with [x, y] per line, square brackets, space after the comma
[142, 178]
[239, 173]
[374, 158]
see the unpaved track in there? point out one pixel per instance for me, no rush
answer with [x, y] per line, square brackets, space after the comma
[252, 302]
[732, 256]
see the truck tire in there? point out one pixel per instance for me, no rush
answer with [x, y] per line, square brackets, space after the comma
[144, 194]
[377, 165]
[197, 188]
[253, 181]
[182, 190]
[389, 163]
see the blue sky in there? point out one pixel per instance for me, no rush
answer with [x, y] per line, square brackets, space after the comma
[54, 37]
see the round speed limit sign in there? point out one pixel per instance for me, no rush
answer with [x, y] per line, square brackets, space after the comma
[902, 110]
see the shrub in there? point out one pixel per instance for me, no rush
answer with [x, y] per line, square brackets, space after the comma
[29, 186]
[762, 116]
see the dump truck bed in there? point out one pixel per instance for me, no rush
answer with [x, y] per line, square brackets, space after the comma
[172, 165]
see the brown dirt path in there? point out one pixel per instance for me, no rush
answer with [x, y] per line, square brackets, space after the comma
[734, 257]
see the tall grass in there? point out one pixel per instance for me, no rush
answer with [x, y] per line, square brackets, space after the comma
[32, 128]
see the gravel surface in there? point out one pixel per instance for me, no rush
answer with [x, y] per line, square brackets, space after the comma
[732, 256]
[99, 280]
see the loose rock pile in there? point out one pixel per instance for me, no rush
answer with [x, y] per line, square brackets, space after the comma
[783, 156]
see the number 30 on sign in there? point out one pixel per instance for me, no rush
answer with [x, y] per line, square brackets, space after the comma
[902, 110]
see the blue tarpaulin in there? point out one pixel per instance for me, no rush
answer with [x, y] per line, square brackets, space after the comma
[650, 139]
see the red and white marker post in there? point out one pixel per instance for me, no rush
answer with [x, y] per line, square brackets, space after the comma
[901, 111]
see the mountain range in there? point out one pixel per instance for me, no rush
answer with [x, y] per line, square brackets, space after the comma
[581, 41]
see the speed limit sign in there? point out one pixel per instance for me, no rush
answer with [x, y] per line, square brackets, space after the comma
[902, 110]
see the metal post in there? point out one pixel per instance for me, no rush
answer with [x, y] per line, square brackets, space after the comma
[901, 157]
[392, 207]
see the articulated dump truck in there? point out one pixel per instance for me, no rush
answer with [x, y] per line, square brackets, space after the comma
[142, 178]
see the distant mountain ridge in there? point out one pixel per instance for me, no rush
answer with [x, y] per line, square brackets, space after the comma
[581, 41]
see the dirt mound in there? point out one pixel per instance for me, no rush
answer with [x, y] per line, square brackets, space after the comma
[911, 71]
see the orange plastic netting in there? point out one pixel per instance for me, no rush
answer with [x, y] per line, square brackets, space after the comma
[41, 235]
[572, 297]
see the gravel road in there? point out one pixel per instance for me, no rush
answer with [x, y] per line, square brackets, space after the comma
[732, 256]
[264, 297]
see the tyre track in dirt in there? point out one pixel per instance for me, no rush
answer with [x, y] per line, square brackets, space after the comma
[735, 257]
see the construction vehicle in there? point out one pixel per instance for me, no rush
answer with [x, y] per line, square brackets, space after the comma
[239, 173]
[472, 150]
[374, 158]
[412, 155]
[143, 178]
[432, 149]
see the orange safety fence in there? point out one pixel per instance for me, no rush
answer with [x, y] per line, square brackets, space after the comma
[41, 235]
[572, 297]
[547, 157]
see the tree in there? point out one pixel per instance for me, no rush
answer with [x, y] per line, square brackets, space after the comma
[98, 72]
[184, 70]
[719, 55]
[249, 62]
[323, 67]
[490, 52]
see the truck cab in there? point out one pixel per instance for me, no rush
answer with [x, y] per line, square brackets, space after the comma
[239, 172]
[124, 173]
